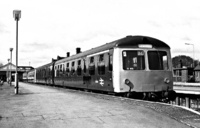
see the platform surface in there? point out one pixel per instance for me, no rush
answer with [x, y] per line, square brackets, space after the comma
[48, 107]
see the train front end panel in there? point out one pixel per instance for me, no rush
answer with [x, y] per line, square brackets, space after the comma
[142, 70]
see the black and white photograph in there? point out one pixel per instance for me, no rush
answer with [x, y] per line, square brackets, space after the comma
[99, 64]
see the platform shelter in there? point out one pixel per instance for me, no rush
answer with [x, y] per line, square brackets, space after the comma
[8, 70]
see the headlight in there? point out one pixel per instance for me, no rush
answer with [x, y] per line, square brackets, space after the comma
[166, 80]
[127, 81]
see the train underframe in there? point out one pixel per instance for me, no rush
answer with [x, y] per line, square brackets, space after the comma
[163, 96]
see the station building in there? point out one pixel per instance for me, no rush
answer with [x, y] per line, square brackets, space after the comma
[184, 74]
[8, 71]
[197, 73]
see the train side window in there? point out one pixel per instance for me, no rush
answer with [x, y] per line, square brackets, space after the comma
[101, 65]
[50, 71]
[63, 67]
[73, 67]
[91, 66]
[133, 60]
[43, 73]
[40, 73]
[84, 66]
[92, 60]
[110, 62]
[55, 70]
[67, 68]
[60, 73]
[79, 68]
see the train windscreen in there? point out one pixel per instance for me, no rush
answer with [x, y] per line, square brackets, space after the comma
[158, 60]
[133, 60]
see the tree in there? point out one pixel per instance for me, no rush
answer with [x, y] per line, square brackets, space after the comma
[183, 60]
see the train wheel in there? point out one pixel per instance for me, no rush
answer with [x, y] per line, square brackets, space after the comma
[145, 96]
[152, 97]
[128, 95]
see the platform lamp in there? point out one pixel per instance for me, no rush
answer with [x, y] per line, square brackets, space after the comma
[7, 77]
[193, 52]
[17, 16]
[11, 49]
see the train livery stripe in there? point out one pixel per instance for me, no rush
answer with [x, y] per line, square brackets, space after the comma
[106, 51]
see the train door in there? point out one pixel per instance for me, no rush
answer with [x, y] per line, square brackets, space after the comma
[100, 67]
[87, 71]
[103, 80]
[109, 70]
[117, 62]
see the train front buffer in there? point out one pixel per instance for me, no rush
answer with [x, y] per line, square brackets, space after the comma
[149, 85]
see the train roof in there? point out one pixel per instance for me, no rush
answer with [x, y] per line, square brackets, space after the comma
[128, 41]
[45, 65]
[135, 40]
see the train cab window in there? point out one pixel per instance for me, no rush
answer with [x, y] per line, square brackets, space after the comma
[79, 68]
[101, 65]
[91, 66]
[158, 60]
[133, 60]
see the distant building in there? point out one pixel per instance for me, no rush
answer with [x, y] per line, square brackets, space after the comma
[197, 73]
[184, 74]
[9, 70]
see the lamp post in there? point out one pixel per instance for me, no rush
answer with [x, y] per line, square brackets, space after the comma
[193, 51]
[8, 71]
[11, 49]
[17, 16]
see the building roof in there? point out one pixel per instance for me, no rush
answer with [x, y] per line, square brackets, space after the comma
[197, 68]
[10, 66]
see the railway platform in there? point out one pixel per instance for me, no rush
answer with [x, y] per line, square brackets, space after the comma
[50, 107]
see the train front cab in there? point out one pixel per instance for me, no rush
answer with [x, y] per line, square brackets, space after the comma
[144, 72]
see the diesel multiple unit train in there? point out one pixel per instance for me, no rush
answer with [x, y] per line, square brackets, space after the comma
[134, 66]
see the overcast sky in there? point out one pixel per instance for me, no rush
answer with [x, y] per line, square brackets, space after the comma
[48, 28]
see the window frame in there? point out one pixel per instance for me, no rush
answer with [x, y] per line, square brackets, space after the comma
[79, 68]
[101, 64]
[143, 67]
[91, 65]
[160, 60]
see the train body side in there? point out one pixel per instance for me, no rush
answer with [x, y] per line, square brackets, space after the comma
[82, 73]
[31, 76]
[45, 74]
[131, 64]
